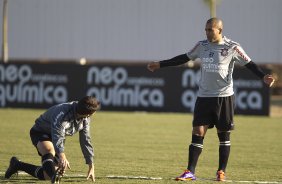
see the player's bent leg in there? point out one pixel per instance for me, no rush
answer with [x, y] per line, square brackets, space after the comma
[46, 149]
[17, 165]
[48, 166]
[224, 152]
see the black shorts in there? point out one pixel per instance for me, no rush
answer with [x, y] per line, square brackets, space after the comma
[37, 136]
[215, 111]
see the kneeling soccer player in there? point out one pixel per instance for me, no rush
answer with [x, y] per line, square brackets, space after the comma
[48, 136]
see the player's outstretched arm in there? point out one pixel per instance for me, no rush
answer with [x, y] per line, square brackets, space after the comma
[91, 172]
[269, 80]
[177, 60]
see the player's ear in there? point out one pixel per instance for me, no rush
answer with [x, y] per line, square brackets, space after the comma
[220, 30]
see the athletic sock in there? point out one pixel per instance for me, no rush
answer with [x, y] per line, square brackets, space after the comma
[39, 173]
[30, 169]
[195, 150]
[224, 149]
[48, 164]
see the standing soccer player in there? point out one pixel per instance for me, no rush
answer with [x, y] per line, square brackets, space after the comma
[215, 102]
[48, 136]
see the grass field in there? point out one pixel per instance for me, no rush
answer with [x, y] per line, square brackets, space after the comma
[150, 144]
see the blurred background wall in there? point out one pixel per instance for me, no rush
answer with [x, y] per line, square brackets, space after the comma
[137, 30]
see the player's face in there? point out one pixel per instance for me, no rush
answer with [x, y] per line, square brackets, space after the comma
[81, 116]
[213, 33]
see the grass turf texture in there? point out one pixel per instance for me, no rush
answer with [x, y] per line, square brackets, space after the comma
[150, 144]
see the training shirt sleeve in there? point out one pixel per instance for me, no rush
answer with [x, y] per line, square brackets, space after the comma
[194, 52]
[175, 61]
[58, 132]
[240, 55]
[85, 142]
[243, 59]
[255, 69]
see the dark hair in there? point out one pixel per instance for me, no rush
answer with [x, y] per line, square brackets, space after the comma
[87, 105]
[215, 20]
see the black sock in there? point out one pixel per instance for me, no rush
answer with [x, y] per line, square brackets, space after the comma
[39, 173]
[224, 149]
[29, 169]
[48, 164]
[195, 150]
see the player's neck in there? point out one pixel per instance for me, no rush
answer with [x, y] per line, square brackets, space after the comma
[218, 41]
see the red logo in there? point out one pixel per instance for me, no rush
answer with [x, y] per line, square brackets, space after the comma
[244, 56]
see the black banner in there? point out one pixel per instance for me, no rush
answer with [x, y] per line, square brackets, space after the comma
[120, 87]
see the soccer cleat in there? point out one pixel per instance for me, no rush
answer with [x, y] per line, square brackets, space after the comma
[186, 176]
[220, 176]
[13, 167]
[56, 179]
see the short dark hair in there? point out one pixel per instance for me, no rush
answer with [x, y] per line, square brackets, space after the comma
[87, 105]
[215, 20]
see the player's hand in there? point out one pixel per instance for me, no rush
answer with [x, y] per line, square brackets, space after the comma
[63, 162]
[91, 173]
[269, 80]
[153, 66]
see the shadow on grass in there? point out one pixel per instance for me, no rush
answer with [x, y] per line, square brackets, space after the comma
[34, 180]
[18, 180]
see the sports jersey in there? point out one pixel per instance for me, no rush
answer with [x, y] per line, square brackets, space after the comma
[217, 64]
[60, 121]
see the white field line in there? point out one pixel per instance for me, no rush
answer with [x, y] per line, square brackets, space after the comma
[133, 177]
[158, 178]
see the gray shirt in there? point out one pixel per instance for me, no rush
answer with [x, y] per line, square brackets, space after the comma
[60, 121]
[217, 64]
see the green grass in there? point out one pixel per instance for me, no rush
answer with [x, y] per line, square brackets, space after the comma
[150, 144]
